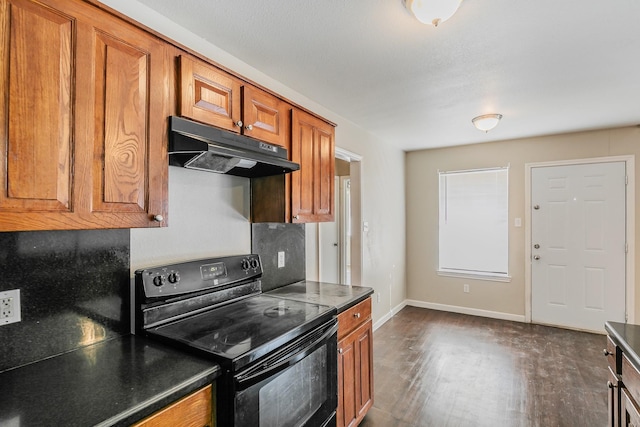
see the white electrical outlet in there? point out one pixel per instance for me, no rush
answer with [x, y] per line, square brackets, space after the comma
[466, 288]
[281, 259]
[10, 307]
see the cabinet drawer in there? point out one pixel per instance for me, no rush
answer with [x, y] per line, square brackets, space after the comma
[613, 356]
[191, 411]
[353, 317]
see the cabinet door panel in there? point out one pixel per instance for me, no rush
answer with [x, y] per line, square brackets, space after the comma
[266, 115]
[630, 412]
[36, 135]
[209, 95]
[325, 173]
[365, 358]
[347, 371]
[121, 115]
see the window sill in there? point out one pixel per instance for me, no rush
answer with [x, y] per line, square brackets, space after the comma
[477, 276]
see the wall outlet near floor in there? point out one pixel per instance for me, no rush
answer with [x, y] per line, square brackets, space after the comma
[10, 307]
[280, 259]
[466, 288]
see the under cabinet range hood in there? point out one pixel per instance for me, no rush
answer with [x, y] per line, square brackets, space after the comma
[198, 146]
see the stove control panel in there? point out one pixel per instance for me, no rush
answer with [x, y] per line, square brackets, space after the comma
[194, 276]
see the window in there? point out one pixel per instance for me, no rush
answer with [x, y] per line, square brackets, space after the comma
[474, 220]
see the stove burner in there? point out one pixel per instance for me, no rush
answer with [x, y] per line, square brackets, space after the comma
[282, 310]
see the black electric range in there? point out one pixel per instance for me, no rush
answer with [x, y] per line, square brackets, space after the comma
[278, 357]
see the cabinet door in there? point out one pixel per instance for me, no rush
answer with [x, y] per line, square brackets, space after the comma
[365, 377]
[312, 187]
[81, 127]
[209, 95]
[127, 102]
[264, 116]
[630, 412]
[355, 375]
[614, 399]
[191, 411]
[36, 115]
[347, 412]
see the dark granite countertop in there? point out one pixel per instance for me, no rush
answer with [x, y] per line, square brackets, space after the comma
[627, 337]
[114, 382]
[340, 296]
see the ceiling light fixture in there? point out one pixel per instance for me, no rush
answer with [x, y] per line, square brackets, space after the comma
[486, 122]
[432, 11]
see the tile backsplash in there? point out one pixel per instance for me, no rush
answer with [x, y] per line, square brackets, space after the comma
[74, 291]
[269, 239]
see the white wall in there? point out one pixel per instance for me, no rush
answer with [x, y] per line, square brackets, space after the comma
[382, 188]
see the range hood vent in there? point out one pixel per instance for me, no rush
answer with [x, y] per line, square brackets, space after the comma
[197, 146]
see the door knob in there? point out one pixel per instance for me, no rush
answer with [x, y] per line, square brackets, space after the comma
[536, 257]
[536, 246]
[536, 207]
[335, 244]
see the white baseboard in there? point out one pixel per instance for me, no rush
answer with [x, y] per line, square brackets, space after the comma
[389, 315]
[465, 310]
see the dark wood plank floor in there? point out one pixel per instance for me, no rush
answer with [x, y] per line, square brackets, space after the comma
[434, 368]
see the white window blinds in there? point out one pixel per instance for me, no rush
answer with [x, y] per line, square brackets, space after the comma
[474, 219]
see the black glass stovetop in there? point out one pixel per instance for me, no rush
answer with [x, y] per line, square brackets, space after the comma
[241, 332]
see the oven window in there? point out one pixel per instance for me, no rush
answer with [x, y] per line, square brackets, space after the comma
[288, 399]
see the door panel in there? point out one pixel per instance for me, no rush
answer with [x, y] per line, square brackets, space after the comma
[579, 279]
[36, 138]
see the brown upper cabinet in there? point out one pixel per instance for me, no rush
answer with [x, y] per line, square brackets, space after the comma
[82, 120]
[313, 147]
[212, 96]
[306, 195]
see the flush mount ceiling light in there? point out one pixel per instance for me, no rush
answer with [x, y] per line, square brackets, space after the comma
[486, 122]
[432, 11]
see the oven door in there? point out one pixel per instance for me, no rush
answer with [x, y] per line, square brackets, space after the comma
[295, 387]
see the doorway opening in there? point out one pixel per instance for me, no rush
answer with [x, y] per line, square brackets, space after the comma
[339, 243]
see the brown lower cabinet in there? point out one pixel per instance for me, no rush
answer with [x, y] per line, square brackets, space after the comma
[194, 410]
[355, 364]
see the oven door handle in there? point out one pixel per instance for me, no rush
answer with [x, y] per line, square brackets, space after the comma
[244, 381]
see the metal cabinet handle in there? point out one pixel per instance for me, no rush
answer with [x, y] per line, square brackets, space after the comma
[607, 352]
[536, 246]
[158, 218]
[536, 257]
[295, 217]
[536, 207]
[611, 385]
[340, 350]
[249, 127]
[356, 315]
[238, 123]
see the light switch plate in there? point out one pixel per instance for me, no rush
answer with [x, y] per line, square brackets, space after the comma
[10, 307]
[281, 259]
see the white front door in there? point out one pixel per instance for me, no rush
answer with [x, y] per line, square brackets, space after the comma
[578, 227]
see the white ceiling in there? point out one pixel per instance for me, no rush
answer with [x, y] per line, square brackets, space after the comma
[549, 66]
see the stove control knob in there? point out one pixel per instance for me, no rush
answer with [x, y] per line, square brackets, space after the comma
[159, 280]
[245, 264]
[174, 277]
[254, 263]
